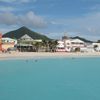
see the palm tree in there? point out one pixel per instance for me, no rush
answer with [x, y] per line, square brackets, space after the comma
[50, 46]
[38, 45]
[53, 45]
[46, 45]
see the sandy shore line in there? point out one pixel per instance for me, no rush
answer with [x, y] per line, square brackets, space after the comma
[35, 55]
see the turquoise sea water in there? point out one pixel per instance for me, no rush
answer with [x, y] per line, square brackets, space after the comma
[50, 79]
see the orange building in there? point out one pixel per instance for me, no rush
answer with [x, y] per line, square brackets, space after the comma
[8, 43]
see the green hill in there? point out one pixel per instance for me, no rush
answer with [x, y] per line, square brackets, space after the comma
[83, 39]
[17, 34]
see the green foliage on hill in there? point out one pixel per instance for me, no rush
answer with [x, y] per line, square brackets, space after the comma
[17, 34]
[83, 39]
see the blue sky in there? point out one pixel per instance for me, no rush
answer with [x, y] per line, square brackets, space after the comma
[52, 17]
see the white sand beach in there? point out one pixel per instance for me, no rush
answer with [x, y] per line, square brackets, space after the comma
[29, 55]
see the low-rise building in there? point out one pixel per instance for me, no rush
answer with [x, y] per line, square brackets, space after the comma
[8, 43]
[60, 46]
[70, 44]
[26, 37]
[9, 40]
[96, 46]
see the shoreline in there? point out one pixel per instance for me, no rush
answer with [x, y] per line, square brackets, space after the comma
[39, 55]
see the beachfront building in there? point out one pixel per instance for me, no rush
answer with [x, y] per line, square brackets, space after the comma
[26, 37]
[90, 48]
[9, 40]
[69, 45]
[60, 46]
[96, 46]
[77, 44]
[8, 43]
[27, 44]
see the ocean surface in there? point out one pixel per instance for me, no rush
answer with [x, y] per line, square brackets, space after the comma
[50, 79]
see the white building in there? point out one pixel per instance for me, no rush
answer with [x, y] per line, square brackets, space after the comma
[70, 44]
[77, 43]
[90, 48]
[26, 37]
[9, 40]
[60, 46]
[67, 45]
[96, 46]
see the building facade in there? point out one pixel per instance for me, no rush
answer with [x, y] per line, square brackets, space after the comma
[8, 43]
[70, 44]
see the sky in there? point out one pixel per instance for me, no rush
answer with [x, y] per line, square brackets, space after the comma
[53, 18]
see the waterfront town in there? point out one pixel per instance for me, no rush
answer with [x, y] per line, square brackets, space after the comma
[27, 43]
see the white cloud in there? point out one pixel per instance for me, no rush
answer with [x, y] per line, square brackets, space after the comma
[11, 1]
[54, 23]
[6, 9]
[8, 1]
[8, 18]
[24, 1]
[93, 8]
[88, 24]
[85, 26]
[29, 19]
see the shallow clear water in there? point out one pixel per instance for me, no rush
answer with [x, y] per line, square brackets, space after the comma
[50, 79]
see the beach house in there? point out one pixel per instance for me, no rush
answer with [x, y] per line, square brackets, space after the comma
[60, 46]
[8, 43]
[69, 45]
